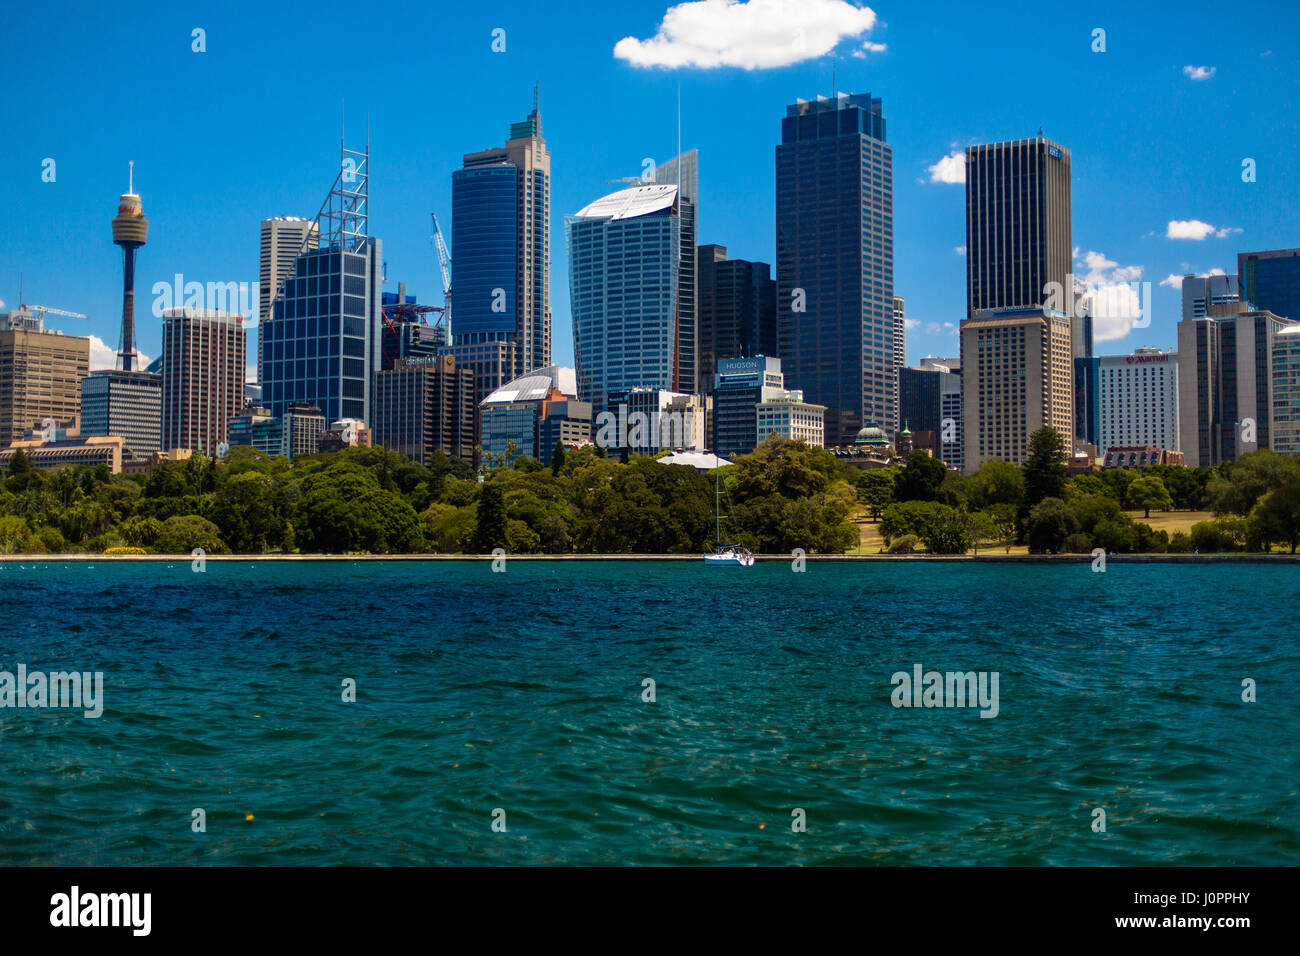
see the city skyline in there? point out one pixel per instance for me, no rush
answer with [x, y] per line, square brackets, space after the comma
[1131, 195]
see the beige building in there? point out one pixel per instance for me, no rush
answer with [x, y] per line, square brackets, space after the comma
[1017, 377]
[282, 239]
[40, 375]
[93, 450]
[789, 416]
[202, 377]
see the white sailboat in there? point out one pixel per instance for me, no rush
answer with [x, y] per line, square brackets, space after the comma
[724, 553]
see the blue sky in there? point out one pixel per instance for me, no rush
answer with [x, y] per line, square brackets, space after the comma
[1158, 125]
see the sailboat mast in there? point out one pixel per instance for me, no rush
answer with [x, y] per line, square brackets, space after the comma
[717, 501]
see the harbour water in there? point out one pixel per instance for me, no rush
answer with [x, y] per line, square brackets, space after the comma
[520, 699]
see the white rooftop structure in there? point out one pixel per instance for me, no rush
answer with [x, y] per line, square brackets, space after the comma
[535, 386]
[701, 460]
[631, 203]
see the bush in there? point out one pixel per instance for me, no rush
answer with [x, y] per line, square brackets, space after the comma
[1050, 522]
[1077, 543]
[904, 545]
[126, 549]
[1180, 543]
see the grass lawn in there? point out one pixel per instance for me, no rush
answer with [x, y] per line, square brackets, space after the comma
[1170, 521]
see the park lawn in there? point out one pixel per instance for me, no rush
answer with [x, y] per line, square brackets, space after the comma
[871, 542]
[1172, 521]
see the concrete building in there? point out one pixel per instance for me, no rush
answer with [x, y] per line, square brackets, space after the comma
[501, 212]
[116, 402]
[625, 279]
[304, 424]
[282, 239]
[93, 450]
[900, 347]
[789, 416]
[40, 375]
[1225, 364]
[565, 422]
[1286, 391]
[737, 309]
[202, 377]
[426, 405]
[647, 421]
[1138, 400]
[1017, 377]
[1200, 293]
[835, 260]
[1270, 281]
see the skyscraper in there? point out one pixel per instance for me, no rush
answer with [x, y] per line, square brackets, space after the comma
[202, 377]
[501, 213]
[625, 256]
[323, 334]
[1202, 292]
[425, 404]
[1017, 224]
[1271, 281]
[835, 260]
[1225, 371]
[900, 349]
[737, 312]
[1018, 349]
[283, 238]
[40, 375]
[683, 171]
[1138, 400]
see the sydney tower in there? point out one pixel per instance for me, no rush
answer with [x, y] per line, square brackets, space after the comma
[130, 229]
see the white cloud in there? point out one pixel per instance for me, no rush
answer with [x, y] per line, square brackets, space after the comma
[1115, 303]
[2, 303]
[960, 250]
[1198, 72]
[1225, 232]
[950, 169]
[911, 323]
[1267, 53]
[1188, 229]
[1216, 272]
[103, 355]
[1173, 281]
[868, 47]
[754, 35]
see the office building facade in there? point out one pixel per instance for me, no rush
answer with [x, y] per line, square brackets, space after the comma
[501, 212]
[40, 375]
[1138, 400]
[739, 386]
[1270, 281]
[202, 377]
[1017, 377]
[425, 405]
[258, 428]
[1225, 369]
[789, 416]
[282, 239]
[625, 265]
[510, 417]
[1201, 293]
[835, 260]
[737, 314]
[1286, 391]
[116, 402]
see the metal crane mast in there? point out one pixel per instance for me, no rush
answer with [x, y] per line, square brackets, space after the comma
[444, 260]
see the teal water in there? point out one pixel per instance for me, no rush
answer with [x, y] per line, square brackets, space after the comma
[523, 690]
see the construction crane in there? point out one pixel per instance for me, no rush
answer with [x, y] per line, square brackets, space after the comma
[40, 310]
[444, 260]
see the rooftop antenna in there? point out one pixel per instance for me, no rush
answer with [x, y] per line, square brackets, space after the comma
[537, 96]
[679, 140]
[130, 176]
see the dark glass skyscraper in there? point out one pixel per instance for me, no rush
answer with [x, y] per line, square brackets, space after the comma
[1017, 224]
[1271, 281]
[835, 260]
[737, 309]
[501, 255]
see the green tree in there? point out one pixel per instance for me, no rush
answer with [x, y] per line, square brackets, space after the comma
[920, 478]
[1278, 514]
[1050, 523]
[876, 490]
[181, 534]
[1149, 492]
[490, 525]
[996, 483]
[344, 508]
[1242, 483]
[1045, 471]
[557, 458]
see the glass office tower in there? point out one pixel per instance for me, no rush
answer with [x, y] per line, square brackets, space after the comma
[835, 260]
